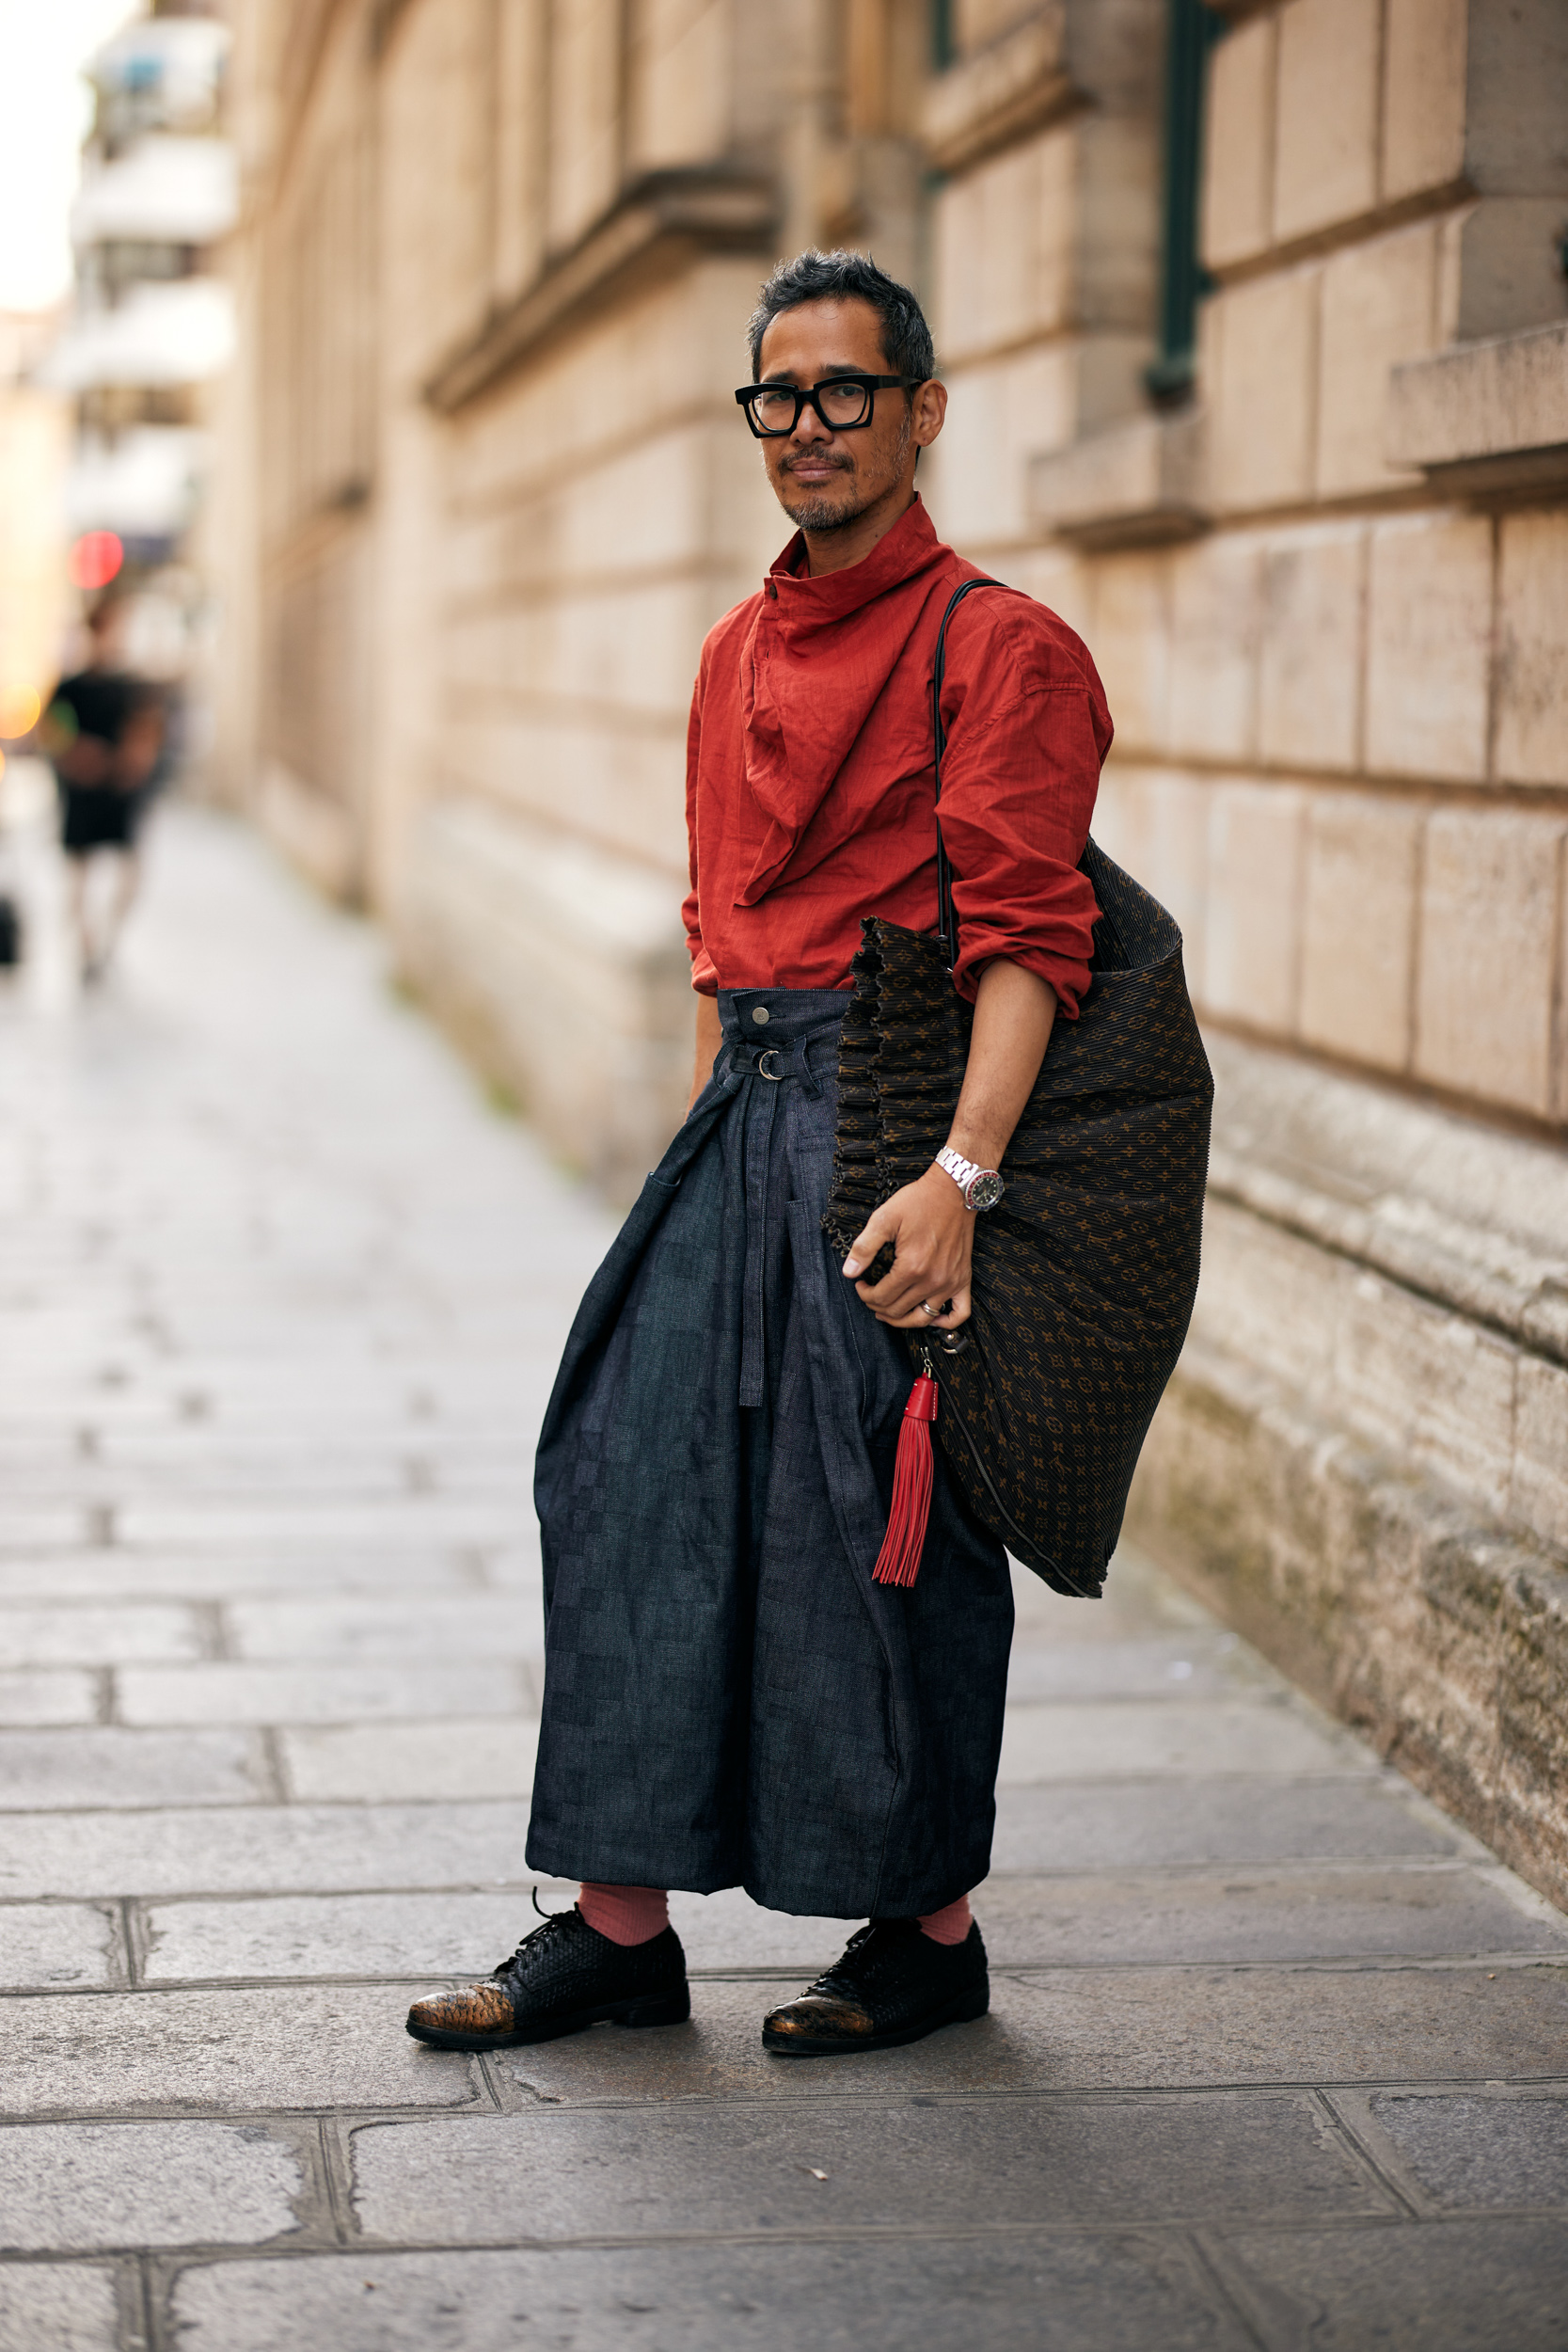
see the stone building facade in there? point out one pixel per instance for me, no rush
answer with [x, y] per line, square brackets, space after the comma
[487, 489]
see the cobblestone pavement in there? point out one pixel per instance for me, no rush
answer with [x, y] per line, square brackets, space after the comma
[1277, 2056]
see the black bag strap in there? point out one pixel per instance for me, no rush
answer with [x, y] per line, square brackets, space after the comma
[947, 921]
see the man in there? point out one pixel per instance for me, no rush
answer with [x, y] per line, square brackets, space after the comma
[729, 1695]
[102, 732]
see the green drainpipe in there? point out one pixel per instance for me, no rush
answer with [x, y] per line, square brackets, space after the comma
[1193, 30]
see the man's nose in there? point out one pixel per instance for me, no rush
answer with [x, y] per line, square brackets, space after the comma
[809, 426]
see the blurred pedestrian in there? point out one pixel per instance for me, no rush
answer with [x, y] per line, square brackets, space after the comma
[103, 733]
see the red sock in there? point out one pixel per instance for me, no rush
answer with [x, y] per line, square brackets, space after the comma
[951, 1924]
[627, 1915]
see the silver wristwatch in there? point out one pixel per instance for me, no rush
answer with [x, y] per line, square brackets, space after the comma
[982, 1187]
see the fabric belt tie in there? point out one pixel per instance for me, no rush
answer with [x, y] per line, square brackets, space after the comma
[777, 1063]
[768, 1067]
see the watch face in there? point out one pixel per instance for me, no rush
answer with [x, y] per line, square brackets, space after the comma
[986, 1190]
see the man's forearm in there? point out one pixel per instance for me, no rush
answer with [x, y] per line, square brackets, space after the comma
[1014, 1011]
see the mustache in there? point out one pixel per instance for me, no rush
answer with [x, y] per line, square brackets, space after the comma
[844, 462]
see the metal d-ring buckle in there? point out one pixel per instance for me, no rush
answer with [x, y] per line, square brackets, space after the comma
[763, 1070]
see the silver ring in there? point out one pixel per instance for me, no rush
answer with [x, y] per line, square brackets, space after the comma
[763, 1070]
[926, 1308]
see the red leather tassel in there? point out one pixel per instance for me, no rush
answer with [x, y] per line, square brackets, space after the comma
[898, 1562]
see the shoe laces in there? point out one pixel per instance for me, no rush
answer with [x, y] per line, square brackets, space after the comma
[553, 1924]
[867, 1956]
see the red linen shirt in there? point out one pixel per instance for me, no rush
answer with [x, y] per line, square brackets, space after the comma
[809, 780]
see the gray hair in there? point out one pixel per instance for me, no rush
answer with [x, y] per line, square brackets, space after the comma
[814, 276]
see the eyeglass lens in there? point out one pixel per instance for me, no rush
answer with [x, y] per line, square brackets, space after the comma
[777, 407]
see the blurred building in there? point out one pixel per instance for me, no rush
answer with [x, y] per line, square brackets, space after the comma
[35, 444]
[1256, 330]
[151, 324]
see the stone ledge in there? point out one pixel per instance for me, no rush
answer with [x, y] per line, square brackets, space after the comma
[315, 831]
[1436, 1632]
[1489, 416]
[658, 225]
[1399, 1188]
[561, 968]
[1136, 484]
[1015, 84]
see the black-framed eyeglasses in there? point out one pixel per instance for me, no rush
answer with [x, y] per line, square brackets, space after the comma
[843, 402]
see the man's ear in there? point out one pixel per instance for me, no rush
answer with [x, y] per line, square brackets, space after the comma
[929, 403]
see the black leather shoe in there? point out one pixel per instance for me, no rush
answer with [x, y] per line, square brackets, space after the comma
[893, 1985]
[561, 1977]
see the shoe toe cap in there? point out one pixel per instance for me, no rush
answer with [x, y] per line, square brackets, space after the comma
[818, 2019]
[478, 2009]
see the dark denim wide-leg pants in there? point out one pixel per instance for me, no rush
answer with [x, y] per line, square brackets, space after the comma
[729, 1698]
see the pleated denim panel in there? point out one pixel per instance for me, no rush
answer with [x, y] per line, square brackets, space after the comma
[729, 1698]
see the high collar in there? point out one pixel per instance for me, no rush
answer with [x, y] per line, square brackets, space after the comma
[803, 604]
[819, 656]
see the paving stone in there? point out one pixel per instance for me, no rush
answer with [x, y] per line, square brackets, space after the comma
[1096, 2029]
[730, 1930]
[47, 1696]
[90, 1575]
[718, 2055]
[304, 2046]
[1453, 2286]
[1123, 1825]
[89, 2188]
[965, 2162]
[1139, 1601]
[1140, 2293]
[1304, 2025]
[338, 1936]
[449, 1759]
[465, 1627]
[1115, 1739]
[1258, 1914]
[1480, 2151]
[106, 1766]
[447, 1935]
[57, 1944]
[221, 1692]
[293, 1847]
[1181, 1666]
[68, 2306]
[95, 1637]
[440, 1524]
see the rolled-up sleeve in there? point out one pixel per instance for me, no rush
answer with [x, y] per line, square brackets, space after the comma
[1027, 732]
[704, 978]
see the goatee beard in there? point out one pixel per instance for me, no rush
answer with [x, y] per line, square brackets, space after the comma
[820, 514]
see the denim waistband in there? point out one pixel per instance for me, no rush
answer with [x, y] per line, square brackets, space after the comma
[779, 1034]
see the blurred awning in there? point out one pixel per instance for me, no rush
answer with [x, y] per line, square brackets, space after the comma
[143, 485]
[178, 332]
[168, 64]
[163, 190]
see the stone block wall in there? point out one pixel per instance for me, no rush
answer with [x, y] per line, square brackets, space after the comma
[1338, 668]
[497, 260]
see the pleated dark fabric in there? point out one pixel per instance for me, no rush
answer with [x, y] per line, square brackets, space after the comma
[729, 1699]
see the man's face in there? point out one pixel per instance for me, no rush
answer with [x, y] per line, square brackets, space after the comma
[824, 480]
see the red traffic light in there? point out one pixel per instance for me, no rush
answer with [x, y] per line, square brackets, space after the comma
[95, 559]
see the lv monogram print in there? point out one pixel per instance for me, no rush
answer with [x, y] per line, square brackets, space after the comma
[1085, 1274]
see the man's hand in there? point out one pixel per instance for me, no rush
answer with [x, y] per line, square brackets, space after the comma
[86, 760]
[933, 1238]
[137, 753]
[930, 1228]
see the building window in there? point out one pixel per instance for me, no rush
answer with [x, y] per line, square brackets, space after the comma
[1192, 31]
[944, 47]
